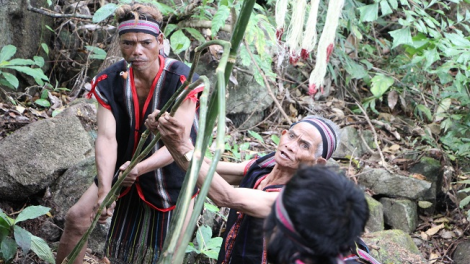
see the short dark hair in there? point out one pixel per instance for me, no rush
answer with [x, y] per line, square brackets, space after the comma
[328, 212]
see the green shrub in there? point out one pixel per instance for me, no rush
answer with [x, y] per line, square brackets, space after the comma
[13, 236]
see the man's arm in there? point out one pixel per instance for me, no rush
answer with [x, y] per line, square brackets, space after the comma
[105, 153]
[231, 172]
[162, 157]
[252, 202]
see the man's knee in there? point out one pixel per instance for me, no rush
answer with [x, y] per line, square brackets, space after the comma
[78, 217]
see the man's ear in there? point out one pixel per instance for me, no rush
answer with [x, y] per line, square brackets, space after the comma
[321, 161]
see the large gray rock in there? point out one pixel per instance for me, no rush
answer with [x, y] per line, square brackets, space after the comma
[462, 253]
[393, 246]
[71, 185]
[66, 192]
[351, 143]
[400, 214]
[246, 99]
[376, 215]
[34, 156]
[381, 182]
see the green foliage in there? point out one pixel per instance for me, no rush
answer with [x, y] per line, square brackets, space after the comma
[96, 53]
[426, 51]
[13, 236]
[20, 65]
[207, 245]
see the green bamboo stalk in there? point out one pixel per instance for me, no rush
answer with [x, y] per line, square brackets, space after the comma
[216, 107]
[116, 188]
[186, 237]
[184, 199]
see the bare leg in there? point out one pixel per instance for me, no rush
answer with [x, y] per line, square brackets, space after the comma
[77, 222]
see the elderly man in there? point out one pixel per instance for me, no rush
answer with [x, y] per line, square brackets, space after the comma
[310, 141]
[127, 92]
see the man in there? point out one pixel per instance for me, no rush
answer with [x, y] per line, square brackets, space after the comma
[126, 95]
[310, 141]
[316, 219]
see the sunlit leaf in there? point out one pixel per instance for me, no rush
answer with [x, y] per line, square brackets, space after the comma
[380, 85]
[424, 110]
[33, 72]
[401, 36]
[170, 28]
[203, 235]
[275, 139]
[43, 102]
[442, 109]
[42, 250]
[32, 212]
[104, 12]
[211, 207]
[196, 34]
[97, 53]
[385, 8]
[45, 48]
[369, 13]
[179, 42]
[7, 52]
[256, 136]
[39, 61]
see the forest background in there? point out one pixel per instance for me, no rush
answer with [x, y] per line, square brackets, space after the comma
[392, 58]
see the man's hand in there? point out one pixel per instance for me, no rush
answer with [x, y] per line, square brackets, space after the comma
[151, 121]
[131, 177]
[172, 134]
[107, 212]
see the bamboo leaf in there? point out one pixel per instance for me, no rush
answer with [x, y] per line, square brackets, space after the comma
[32, 212]
[401, 36]
[219, 19]
[104, 12]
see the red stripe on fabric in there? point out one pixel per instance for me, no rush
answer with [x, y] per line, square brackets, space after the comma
[142, 197]
[247, 167]
[182, 78]
[193, 94]
[94, 84]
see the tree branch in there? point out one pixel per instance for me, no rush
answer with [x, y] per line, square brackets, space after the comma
[50, 13]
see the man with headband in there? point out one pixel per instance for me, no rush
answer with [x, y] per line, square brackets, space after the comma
[310, 141]
[127, 92]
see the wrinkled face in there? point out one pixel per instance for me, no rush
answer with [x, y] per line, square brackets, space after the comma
[141, 49]
[298, 145]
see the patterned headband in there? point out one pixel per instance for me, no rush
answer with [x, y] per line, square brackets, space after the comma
[286, 225]
[327, 135]
[145, 26]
